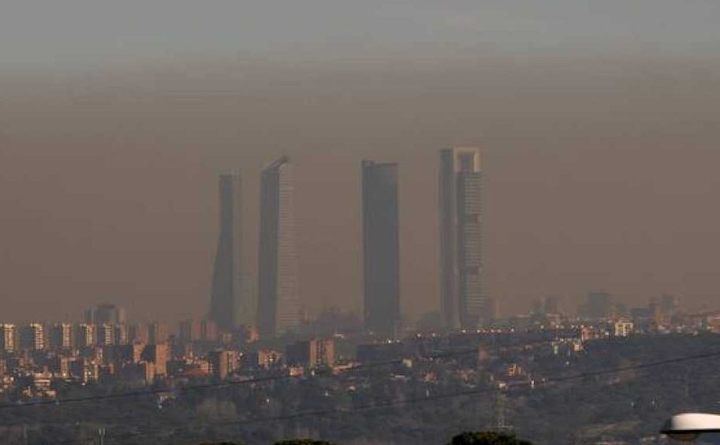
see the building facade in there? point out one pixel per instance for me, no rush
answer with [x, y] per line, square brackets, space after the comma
[8, 338]
[278, 309]
[381, 247]
[311, 353]
[226, 293]
[61, 336]
[461, 286]
[32, 337]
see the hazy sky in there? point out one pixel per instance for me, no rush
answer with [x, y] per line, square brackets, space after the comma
[599, 121]
[63, 34]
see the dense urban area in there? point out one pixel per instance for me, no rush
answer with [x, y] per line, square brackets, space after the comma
[257, 369]
[607, 375]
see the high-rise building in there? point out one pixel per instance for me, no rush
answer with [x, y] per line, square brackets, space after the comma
[32, 337]
[227, 286]
[157, 354]
[223, 362]
[61, 336]
[105, 334]
[84, 335]
[278, 301]
[311, 353]
[8, 338]
[381, 247]
[462, 299]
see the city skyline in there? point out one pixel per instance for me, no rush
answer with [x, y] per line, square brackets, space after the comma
[580, 200]
[340, 222]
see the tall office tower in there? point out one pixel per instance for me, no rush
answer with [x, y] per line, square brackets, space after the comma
[61, 336]
[462, 300]
[227, 276]
[381, 247]
[84, 335]
[105, 334]
[8, 338]
[278, 308]
[32, 337]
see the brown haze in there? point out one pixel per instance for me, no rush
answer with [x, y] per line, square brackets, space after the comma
[601, 173]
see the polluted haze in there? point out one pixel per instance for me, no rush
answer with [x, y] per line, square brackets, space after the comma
[599, 125]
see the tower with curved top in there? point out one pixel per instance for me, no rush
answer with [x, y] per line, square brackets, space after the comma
[278, 308]
[227, 283]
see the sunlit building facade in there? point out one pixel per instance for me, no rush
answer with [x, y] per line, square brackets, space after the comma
[461, 286]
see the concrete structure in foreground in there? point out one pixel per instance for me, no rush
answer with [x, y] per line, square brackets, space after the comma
[381, 247]
[461, 290]
[227, 286]
[278, 309]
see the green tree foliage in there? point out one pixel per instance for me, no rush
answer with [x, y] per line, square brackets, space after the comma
[487, 438]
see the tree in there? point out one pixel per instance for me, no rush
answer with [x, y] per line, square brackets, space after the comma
[487, 438]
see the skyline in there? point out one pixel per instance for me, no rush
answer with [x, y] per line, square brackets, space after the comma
[329, 221]
[120, 170]
[579, 297]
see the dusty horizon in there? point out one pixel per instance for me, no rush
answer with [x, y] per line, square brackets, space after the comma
[599, 161]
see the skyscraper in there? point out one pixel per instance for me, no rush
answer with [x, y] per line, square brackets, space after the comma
[227, 274]
[381, 247]
[278, 301]
[32, 337]
[461, 291]
[8, 338]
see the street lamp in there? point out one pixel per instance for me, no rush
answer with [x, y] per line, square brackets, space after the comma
[688, 427]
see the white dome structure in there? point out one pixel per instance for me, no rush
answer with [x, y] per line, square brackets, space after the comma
[688, 427]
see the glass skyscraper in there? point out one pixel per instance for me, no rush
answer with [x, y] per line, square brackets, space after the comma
[278, 308]
[227, 286]
[381, 247]
[461, 291]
